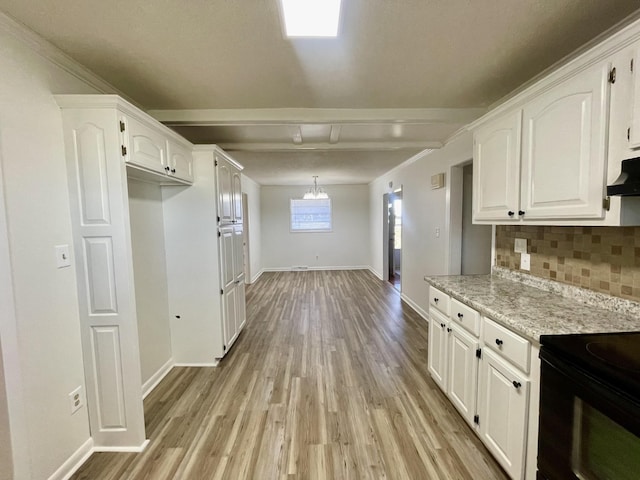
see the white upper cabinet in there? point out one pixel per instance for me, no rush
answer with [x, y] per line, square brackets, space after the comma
[225, 203]
[236, 196]
[229, 190]
[147, 148]
[564, 148]
[496, 166]
[634, 128]
[180, 161]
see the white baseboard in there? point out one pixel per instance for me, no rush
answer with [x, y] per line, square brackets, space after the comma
[414, 306]
[156, 378]
[256, 276]
[123, 449]
[74, 462]
[295, 269]
[204, 364]
[375, 272]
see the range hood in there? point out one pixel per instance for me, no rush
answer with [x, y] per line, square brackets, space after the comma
[628, 183]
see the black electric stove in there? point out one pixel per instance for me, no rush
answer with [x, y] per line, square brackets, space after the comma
[613, 358]
[589, 424]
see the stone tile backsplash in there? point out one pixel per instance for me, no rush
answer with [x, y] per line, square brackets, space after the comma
[603, 259]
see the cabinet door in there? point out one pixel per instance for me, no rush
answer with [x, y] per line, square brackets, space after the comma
[564, 148]
[503, 410]
[634, 130]
[238, 254]
[236, 195]
[227, 274]
[229, 308]
[241, 308]
[463, 372]
[147, 147]
[496, 169]
[180, 161]
[437, 353]
[225, 204]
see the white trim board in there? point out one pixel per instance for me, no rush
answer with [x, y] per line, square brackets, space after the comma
[123, 449]
[376, 273]
[306, 268]
[414, 306]
[156, 378]
[256, 276]
[74, 462]
[212, 364]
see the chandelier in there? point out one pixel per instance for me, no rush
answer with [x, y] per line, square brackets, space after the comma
[315, 192]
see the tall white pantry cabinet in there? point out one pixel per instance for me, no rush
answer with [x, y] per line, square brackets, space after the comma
[205, 259]
[107, 141]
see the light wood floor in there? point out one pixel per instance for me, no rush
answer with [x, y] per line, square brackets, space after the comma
[327, 381]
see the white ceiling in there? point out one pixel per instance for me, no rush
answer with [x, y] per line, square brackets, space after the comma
[402, 76]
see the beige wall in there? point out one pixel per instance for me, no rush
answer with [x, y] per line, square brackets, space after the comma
[150, 276]
[424, 251]
[346, 246]
[41, 339]
[254, 238]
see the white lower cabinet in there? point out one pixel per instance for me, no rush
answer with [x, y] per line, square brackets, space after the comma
[486, 377]
[463, 372]
[503, 412]
[437, 351]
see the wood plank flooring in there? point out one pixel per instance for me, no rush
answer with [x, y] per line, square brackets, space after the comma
[327, 381]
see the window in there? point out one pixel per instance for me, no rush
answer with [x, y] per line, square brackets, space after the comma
[311, 215]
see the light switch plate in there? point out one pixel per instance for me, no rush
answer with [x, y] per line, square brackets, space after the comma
[63, 258]
[525, 261]
[520, 245]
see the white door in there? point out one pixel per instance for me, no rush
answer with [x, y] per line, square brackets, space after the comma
[437, 348]
[496, 169]
[463, 372]
[180, 161]
[146, 147]
[238, 253]
[236, 196]
[228, 282]
[564, 148]
[503, 406]
[225, 204]
[241, 309]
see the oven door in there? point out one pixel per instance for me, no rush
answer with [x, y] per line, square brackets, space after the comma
[588, 431]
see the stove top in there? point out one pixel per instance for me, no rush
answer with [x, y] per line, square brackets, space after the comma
[611, 358]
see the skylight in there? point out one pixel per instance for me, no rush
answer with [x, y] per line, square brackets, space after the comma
[311, 18]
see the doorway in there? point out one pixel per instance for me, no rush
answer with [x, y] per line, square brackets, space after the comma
[476, 239]
[394, 240]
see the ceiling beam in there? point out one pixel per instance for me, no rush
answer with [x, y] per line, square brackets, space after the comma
[287, 116]
[343, 146]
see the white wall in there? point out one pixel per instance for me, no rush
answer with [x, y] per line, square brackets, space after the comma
[346, 246]
[150, 276]
[424, 211]
[252, 189]
[476, 239]
[41, 337]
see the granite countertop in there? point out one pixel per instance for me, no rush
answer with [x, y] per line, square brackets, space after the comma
[531, 311]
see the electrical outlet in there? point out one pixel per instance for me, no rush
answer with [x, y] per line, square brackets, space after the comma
[437, 233]
[76, 400]
[520, 245]
[525, 261]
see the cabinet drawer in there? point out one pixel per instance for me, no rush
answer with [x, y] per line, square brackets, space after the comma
[465, 316]
[509, 345]
[439, 300]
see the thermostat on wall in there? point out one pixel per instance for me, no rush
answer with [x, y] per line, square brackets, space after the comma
[437, 181]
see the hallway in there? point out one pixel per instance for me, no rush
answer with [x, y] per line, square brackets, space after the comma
[328, 380]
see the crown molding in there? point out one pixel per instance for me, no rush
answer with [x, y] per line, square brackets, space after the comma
[54, 55]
